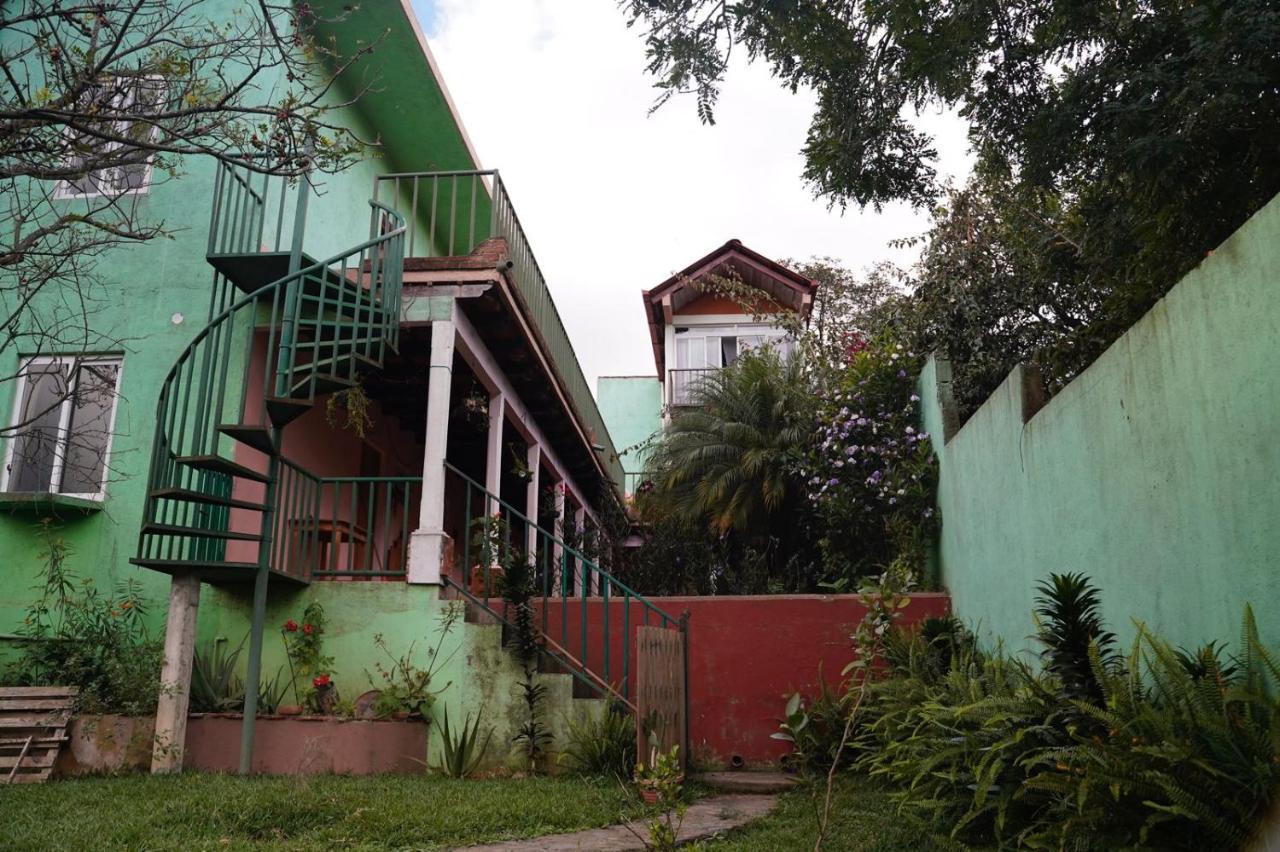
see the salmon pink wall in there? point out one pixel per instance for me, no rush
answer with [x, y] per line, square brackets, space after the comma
[747, 654]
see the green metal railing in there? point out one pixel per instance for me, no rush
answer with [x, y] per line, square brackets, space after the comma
[458, 210]
[494, 532]
[343, 527]
[251, 210]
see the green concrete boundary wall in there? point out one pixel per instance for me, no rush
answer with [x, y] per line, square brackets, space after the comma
[632, 409]
[1156, 471]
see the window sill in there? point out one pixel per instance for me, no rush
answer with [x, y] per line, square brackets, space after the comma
[44, 503]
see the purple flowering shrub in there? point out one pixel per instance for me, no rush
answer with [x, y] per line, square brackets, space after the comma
[871, 473]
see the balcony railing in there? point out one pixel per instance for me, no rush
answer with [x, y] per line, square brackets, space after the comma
[450, 214]
[682, 381]
[336, 527]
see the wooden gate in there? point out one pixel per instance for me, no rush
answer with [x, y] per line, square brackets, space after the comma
[662, 690]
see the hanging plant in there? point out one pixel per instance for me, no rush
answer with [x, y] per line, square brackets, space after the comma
[348, 409]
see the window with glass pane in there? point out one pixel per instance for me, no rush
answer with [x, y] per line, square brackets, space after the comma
[63, 419]
[138, 95]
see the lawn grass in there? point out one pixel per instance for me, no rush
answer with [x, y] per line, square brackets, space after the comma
[201, 811]
[863, 819]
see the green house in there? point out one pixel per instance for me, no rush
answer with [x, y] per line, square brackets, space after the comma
[325, 391]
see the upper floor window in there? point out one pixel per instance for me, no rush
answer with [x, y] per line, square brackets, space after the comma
[61, 428]
[126, 100]
[701, 349]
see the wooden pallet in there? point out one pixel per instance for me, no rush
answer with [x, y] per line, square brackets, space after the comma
[33, 727]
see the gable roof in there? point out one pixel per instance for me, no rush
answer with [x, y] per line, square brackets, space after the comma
[783, 285]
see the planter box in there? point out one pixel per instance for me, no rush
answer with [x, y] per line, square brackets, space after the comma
[307, 745]
[106, 744]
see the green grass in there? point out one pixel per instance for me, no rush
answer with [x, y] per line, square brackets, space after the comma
[863, 819]
[195, 811]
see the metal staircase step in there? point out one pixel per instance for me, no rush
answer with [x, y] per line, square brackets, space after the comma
[284, 410]
[213, 572]
[219, 464]
[195, 532]
[201, 497]
[258, 437]
[324, 383]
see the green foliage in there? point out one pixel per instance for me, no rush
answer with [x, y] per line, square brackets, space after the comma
[1174, 751]
[870, 469]
[462, 751]
[215, 686]
[75, 635]
[815, 730]
[308, 666]
[533, 736]
[1117, 145]
[603, 745]
[728, 460]
[1075, 643]
[663, 776]
[402, 686]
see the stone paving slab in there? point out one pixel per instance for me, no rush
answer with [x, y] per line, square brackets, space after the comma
[705, 818]
[747, 781]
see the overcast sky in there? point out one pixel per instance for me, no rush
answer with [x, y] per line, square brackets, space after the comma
[554, 94]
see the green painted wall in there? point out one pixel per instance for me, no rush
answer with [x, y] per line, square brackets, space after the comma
[482, 676]
[632, 410]
[1156, 471]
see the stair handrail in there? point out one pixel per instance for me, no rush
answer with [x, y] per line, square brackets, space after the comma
[608, 586]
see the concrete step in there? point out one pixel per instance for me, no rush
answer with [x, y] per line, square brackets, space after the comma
[759, 783]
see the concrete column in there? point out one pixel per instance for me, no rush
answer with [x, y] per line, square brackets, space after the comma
[175, 676]
[533, 461]
[493, 454]
[428, 545]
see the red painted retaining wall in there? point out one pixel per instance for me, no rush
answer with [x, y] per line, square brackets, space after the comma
[747, 654]
[307, 745]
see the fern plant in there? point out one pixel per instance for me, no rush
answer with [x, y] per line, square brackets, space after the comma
[603, 745]
[1189, 757]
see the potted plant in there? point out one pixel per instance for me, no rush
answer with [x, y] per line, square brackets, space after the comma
[661, 780]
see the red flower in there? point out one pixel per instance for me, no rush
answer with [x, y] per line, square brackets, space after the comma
[308, 629]
[320, 680]
[291, 626]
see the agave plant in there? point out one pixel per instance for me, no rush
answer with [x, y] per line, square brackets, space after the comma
[215, 686]
[462, 751]
[1069, 612]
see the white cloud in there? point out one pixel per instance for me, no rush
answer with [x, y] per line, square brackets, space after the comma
[553, 94]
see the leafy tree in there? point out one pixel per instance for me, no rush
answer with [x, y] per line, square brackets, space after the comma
[729, 465]
[1117, 144]
[100, 99]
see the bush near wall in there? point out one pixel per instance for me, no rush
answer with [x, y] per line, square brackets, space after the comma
[1159, 748]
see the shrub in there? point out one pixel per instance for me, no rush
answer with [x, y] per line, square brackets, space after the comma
[76, 635]
[1159, 749]
[871, 472]
[603, 745]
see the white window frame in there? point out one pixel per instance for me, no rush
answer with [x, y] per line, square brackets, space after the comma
[64, 419]
[65, 190]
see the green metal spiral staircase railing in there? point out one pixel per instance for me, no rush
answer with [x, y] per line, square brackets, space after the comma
[260, 362]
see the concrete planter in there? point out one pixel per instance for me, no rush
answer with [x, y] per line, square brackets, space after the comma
[99, 745]
[307, 745]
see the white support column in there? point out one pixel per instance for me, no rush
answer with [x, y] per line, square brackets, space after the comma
[493, 454]
[428, 545]
[533, 462]
[175, 676]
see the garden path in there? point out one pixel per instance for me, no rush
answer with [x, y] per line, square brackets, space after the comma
[704, 818]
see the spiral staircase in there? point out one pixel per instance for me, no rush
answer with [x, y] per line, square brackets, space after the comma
[284, 330]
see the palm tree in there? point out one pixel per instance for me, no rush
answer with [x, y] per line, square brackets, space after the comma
[730, 459]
